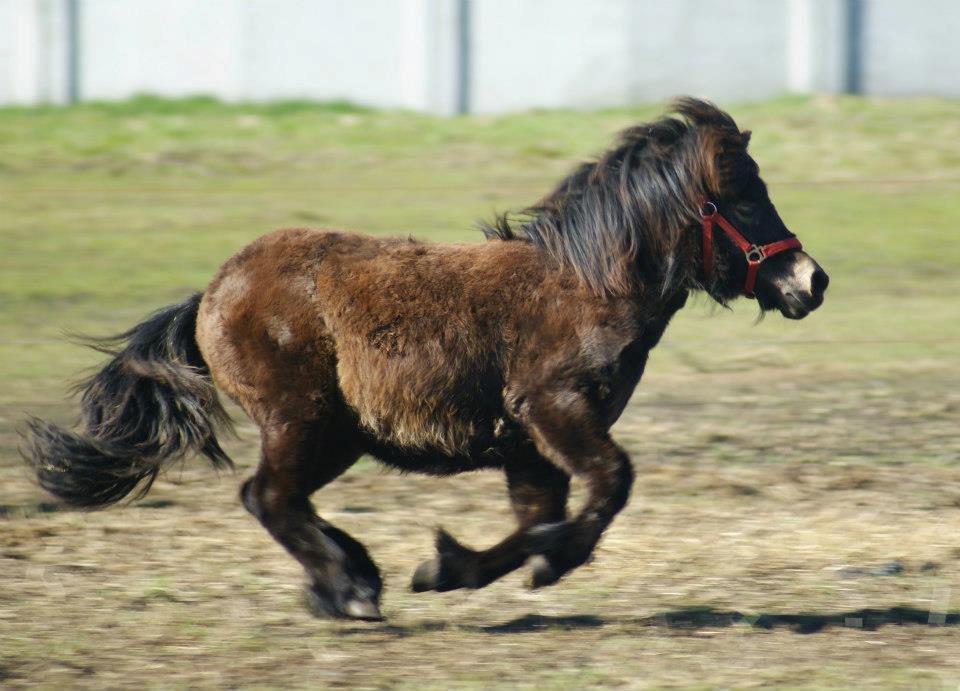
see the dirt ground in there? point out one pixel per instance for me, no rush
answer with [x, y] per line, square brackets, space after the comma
[800, 551]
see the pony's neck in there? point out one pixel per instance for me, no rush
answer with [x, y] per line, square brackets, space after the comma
[626, 224]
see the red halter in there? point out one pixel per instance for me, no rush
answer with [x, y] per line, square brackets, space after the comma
[755, 254]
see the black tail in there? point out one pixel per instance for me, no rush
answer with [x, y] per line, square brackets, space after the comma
[153, 403]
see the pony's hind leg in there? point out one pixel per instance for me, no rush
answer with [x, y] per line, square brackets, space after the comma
[538, 494]
[297, 459]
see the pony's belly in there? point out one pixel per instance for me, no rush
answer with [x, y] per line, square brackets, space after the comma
[442, 427]
[432, 461]
[484, 451]
[431, 397]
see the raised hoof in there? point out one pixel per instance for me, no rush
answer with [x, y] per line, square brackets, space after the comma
[542, 572]
[323, 606]
[426, 577]
[454, 567]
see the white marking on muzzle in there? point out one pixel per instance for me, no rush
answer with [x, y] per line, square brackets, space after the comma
[799, 279]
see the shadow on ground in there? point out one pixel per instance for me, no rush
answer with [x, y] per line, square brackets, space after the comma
[692, 619]
[29, 509]
[707, 617]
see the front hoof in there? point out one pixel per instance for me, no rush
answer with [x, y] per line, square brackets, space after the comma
[454, 567]
[543, 572]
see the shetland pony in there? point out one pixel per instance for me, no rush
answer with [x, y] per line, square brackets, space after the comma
[518, 353]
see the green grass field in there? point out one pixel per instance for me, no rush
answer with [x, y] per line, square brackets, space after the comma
[774, 459]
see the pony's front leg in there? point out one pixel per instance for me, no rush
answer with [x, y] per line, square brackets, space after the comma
[538, 494]
[568, 432]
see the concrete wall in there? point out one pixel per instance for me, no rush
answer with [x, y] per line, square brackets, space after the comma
[910, 48]
[540, 53]
[33, 55]
[391, 53]
[523, 53]
[373, 52]
[173, 47]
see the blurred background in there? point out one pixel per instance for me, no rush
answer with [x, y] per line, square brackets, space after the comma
[474, 56]
[796, 515]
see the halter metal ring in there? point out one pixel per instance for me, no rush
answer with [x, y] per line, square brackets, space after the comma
[704, 213]
[755, 254]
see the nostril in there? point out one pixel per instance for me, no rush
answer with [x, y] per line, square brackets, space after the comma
[819, 282]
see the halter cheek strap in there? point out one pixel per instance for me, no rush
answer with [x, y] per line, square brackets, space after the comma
[755, 254]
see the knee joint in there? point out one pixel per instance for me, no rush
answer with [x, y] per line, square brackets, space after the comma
[260, 499]
[620, 485]
[249, 499]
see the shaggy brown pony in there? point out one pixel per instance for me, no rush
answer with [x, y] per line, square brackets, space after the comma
[519, 353]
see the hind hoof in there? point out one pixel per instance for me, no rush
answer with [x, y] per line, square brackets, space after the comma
[322, 606]
[365, 610]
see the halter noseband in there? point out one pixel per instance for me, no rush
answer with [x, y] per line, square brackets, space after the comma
[755, 254]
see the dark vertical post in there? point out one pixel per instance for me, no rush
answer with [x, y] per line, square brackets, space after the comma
[853, 80]
[73, 50]
[463, 56]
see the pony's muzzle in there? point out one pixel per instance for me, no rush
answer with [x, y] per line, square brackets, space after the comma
[794, 283]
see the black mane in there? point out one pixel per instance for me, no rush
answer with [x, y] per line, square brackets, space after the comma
[618, 221]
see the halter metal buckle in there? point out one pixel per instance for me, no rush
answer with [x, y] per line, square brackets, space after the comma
[755, 254]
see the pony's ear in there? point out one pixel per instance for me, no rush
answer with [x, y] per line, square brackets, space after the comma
[724, 162]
